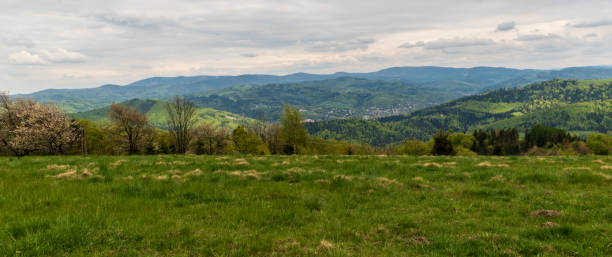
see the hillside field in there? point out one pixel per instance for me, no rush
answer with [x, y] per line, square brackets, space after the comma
[305, 206]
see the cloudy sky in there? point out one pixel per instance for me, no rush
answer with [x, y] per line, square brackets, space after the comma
[86, 43]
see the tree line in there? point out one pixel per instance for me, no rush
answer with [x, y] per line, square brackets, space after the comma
[28, 127]
[538, 140]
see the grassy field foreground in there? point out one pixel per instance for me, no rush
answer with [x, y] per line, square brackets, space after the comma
[306, 205]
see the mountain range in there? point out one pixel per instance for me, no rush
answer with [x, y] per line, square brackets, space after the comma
[455, 81]
[378, 108]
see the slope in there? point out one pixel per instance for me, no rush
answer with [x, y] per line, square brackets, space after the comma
[570, 104]
[156, 113]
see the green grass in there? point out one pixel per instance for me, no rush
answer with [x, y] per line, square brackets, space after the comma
[287, 205]
[158, 117]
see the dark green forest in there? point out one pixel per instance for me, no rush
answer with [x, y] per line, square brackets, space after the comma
[578, 106]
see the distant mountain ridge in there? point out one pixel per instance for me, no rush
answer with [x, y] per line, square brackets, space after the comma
[465, 80]
[325, 99]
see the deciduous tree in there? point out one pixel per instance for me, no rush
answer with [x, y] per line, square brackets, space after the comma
[293, 132]
[130, 123]
[26, 127]
[181, 118]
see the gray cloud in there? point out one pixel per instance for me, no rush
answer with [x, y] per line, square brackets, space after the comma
[135, 21]
[592, 24]
[412, 45]
[457, 43]
[537, 37]
[18, 42]
[506, 26]
[337, 46]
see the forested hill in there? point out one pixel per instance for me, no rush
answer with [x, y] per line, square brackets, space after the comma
[459, 81]
[326, 99]
[569, 104]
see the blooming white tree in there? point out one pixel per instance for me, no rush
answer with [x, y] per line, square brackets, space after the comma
[27, 126]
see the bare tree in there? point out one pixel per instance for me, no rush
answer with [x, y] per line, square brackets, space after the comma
[209, 139]
[131, 123]
[26, 127]
[181, 118]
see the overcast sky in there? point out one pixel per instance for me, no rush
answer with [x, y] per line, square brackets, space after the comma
[86, 43]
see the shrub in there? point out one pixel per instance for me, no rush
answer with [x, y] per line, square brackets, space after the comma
[462, 140]
[461, 151]
[600, 143]
[414, 147]
[442, 144]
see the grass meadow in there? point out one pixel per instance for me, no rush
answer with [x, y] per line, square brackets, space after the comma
[305, 206]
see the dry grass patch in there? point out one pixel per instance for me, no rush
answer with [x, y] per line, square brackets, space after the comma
[322, 181]
[196, 172]
[432, 164]
[74, 174]
[599, 161]
[437, 165]
[548, 224]
[161, 177]
[240, 161]
[420, 240]
[117, 163]
[294, 170]
[386, 181]
[326, 244]
[251, 174]
[317, 170]
[606, 167]
[418, 179]
[577, 168]
[283, 163]
[604, 175]
[488, 164]
[86, 173]
[545, 213]
[66, 175]
[498, 178]
[343, 177]
[57, 167]
[174, 172]
[162, 163]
